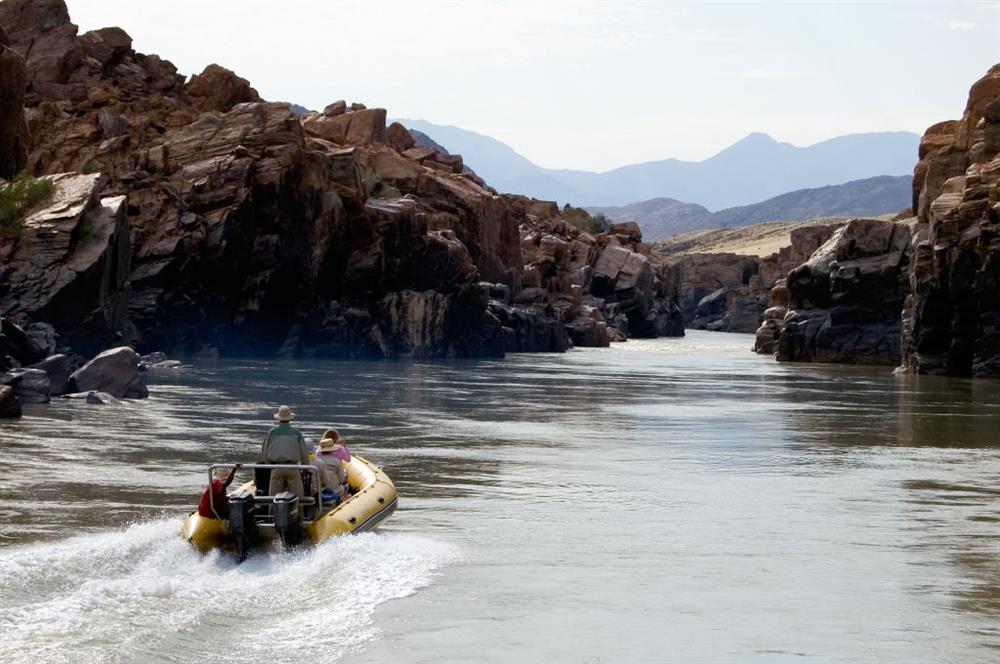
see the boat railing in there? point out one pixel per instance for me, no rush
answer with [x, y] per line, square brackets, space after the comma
[316, 500]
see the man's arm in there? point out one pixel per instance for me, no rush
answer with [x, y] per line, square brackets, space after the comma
[232, 474]
[303, 450]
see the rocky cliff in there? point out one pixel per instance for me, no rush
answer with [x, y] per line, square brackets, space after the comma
[843, 304]
[728, 292]
[254, 230]
[920, 292]
[952, 319]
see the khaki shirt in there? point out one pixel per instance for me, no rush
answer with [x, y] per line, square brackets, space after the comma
[284, 444]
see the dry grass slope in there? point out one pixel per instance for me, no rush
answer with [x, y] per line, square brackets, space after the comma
[757, 240]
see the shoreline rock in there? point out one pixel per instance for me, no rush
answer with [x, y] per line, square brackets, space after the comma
[115, 371]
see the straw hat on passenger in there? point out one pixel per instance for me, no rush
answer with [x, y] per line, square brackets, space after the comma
[284, 414]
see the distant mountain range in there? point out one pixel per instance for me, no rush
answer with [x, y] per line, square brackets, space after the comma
[661, 217]
[751, 170]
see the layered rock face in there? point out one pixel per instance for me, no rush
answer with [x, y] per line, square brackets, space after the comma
[68, 269]
[13, 128]
[604, 287]
[726, 292]
[843, 304]
[256, 231]
[921, 292]
[952, 322]
[721, 292]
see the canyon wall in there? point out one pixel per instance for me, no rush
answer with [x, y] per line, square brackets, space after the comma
[253, 230]
[952, 319]
[922, 292]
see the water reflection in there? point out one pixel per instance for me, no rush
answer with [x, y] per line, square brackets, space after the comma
[686, 495]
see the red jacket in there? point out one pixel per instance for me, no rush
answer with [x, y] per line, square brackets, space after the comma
[218, 498]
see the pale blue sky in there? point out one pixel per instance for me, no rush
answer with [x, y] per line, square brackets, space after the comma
[591, 85]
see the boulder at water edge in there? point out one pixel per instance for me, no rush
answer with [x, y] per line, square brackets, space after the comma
[59, 368]
[114, 371]
[10, 407]
[31, 385]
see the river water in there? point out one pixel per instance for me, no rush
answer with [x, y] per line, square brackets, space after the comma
[667, 500]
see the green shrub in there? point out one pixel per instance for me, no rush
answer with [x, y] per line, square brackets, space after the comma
[582, 219]
[528, 256]
[85, 230]
[374, 187]
[88, 168]
[18, 197]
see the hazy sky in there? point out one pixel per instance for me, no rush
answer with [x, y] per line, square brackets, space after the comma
[591, 85]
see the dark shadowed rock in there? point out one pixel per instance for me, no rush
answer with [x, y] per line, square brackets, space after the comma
[845, 301]
[100, 399]
[69, 270]
[15, 342]
[10, 407]
[114, 371]
[13, 129]
[31, 386]
[153, 358]
[59, 368]
[256, 231]
[951, 323]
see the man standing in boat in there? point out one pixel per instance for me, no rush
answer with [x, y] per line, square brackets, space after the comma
[285, 444]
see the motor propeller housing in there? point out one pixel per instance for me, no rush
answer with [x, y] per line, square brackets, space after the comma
[287, 517]
[241, 521]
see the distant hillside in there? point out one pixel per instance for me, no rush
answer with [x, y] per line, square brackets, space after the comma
[659, 217]
[425, 141]
[756, 240]
[753, 169]
[862, 198]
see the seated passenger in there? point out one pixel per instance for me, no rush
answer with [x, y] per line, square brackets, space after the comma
[340, 447]
[215, 496]
[316, 481]
[336, 471]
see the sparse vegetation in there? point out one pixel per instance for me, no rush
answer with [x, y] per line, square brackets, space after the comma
[18, 197]
[528, 256]
[89, 168]
[583, 220]
[376, 188]
[86, 229]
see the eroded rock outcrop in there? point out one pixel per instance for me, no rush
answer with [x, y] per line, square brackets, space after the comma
[115, 371]
[68, 267]
[952, 318]
[843, 304]
[10, 407]
[13, 128]
[729, 292]
[603, 287]
[258, 231]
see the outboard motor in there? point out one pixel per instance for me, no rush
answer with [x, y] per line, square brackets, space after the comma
[287, 517]
[241, 521]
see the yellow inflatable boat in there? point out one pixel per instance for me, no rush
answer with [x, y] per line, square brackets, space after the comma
[252, 519]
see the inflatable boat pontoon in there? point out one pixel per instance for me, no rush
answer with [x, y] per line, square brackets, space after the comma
[256, 520]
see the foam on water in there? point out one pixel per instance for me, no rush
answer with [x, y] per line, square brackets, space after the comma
[144, 594]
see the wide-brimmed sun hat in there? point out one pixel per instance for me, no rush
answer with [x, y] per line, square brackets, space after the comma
[328, 444]
[284, 414]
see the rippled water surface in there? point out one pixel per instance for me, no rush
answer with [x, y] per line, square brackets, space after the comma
[669, 500]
